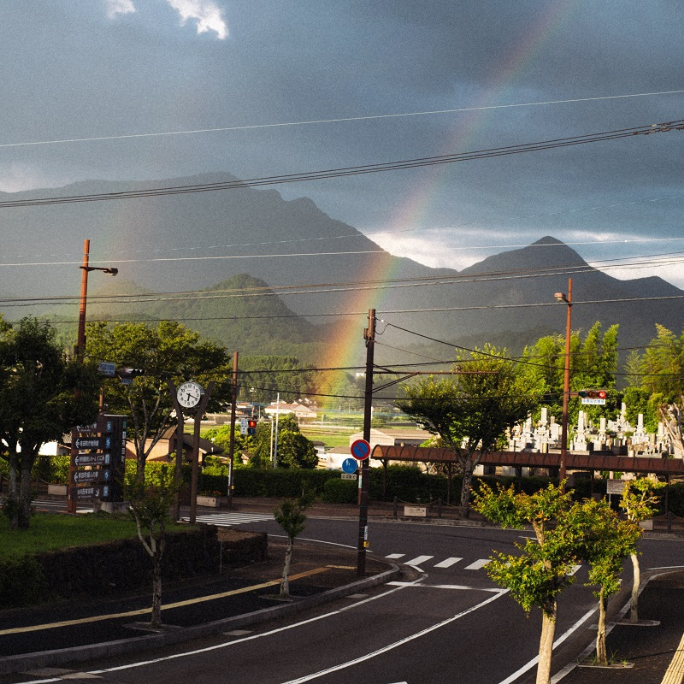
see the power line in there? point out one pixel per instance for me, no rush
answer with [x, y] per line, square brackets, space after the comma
[369, 117]
[342, 172]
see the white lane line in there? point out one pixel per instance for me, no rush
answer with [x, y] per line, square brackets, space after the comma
[395, 556]
[397, 644]
[441, 586]
[448, 562]
[528, 666]
[478, 564]
[233, 642]
[419, 560]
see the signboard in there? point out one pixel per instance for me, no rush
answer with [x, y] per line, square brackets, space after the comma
[348, 476]
[107, 368]
[360, 449]
[92, 459]
[349, 465]
[91, 476]
[243, 426]
[97, 492]
[593, 400]
[93, 443]
[615, 486]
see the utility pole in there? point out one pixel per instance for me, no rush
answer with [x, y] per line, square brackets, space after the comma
[180, 428]
[369, 337]
[231, 446]
[567, 299]
[195, 451]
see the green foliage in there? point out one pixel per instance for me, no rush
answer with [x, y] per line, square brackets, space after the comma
[338, 491]
[471, 411]
[167, 351]
[42, 395]
[290, 515]
[639, 500]
[22, 582]
[276, 372]
[662, 365]
[294, 450]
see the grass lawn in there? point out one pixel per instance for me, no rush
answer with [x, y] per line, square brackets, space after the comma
[331, 438]
[50, 531]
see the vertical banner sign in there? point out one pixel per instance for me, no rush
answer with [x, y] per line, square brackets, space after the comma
[98, 453]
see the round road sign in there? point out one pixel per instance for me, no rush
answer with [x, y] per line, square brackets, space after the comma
[360, 449]
[349, 465]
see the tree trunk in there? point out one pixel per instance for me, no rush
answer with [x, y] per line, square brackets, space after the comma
[601, 652]
[24, 502]
[285, 583]
[465, 489]
[156, 591]
[546, 643]
[636, 581]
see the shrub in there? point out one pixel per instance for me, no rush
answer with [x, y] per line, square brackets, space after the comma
[340, 491]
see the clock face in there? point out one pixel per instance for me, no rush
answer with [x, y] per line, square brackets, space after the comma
[189, 394]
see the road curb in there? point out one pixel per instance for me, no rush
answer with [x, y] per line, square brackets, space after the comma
[32, 661]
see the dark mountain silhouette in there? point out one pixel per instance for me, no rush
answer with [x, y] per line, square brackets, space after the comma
[189, 242]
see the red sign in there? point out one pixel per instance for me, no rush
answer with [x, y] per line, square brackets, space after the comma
[360, 449]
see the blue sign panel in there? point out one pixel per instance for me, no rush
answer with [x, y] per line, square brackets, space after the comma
[349, 465]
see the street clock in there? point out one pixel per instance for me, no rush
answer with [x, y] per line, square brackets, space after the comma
[189, 394]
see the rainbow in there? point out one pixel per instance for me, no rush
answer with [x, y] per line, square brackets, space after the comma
[349, 350]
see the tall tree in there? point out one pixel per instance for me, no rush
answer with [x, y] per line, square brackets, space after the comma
[42, 396]
[168, 350]
[290, 516]
[471, 411]
[662, 371]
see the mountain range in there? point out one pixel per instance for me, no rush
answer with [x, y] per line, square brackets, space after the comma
[277, 275]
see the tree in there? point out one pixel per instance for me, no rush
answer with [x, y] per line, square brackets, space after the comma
[542, 571]
[290, 516]
[42, 396]
[638, 503]
[149, 506]
[471, 411]
[608, 540]
[166, 351]
[662, 368]
[294, 449]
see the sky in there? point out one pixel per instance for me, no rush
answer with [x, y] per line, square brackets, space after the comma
[156, 89]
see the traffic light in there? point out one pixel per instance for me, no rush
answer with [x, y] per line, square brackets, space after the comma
[592, 394]
[251, 427]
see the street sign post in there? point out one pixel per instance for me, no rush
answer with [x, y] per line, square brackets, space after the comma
[360, 449]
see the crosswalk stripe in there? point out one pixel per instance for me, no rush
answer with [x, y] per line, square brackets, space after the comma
[478, 564]
[448, 562]
[419, 560]
[229, 519]
[395, 556]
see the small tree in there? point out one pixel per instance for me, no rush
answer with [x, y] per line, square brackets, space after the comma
[542, 571]
[294, 449]
[150, 504]
[638, 502]
[607, 542]
[290, 516]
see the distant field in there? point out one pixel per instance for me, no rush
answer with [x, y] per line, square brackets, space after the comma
[336, 437]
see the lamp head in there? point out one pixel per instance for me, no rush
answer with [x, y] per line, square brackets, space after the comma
[560, 297]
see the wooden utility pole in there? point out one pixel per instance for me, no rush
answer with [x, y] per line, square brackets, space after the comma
[231, 445]
[178, 474]
[364, 475]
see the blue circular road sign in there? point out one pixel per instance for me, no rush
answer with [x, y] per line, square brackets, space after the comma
[349, 465]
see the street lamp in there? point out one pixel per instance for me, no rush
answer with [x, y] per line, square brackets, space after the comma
[567, 299]
[80, 340]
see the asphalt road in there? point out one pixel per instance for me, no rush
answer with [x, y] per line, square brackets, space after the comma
[444, 622]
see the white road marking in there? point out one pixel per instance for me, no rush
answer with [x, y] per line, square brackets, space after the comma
[479, 564]
[447, 563]
[418, 560]
[440, 586]
[574, 570]
[395, 556]
[397, 644]
[233, 642]
[230, 519]
[528, 666]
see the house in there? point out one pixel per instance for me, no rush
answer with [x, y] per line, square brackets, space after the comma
[165, 449]
[301, 412]
[394, 437]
